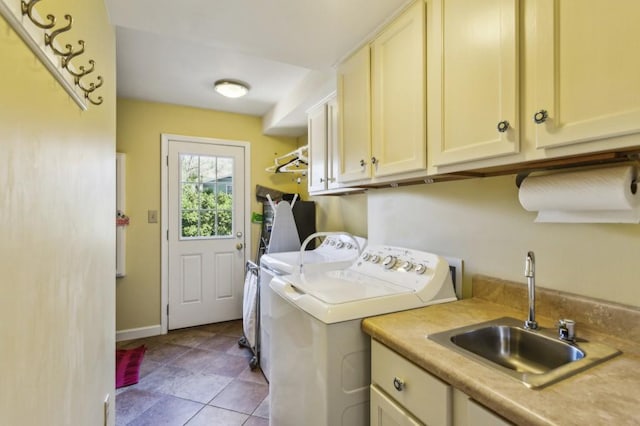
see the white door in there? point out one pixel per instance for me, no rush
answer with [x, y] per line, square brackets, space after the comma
[206, 232]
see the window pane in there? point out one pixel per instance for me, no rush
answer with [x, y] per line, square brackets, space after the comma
[208, 223]
[208, 169]
[189, 169]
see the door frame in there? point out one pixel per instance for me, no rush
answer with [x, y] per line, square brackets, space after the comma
[164, 209]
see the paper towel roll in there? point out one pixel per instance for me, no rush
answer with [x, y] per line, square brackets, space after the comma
[604, 193]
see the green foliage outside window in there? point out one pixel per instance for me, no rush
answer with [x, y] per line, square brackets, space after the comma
[206, 207]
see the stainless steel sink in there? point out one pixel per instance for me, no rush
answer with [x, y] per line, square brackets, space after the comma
[536, 358]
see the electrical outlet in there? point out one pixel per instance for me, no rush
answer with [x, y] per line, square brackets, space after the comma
[107, 408]
[152, 216]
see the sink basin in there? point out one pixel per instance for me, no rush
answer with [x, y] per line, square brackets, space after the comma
[536, 358]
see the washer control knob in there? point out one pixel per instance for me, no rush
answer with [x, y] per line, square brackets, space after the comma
[340, 244]
[332, 242]
[366, 256]
[375, 258]
[389, 262]
[407, 266]
[421, 268]
[349, 246]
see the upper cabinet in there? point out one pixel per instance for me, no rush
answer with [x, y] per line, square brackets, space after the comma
[473, 80]
[323, 146]
[382, 103]
[398, 95]
[586, 79]
[354, 122]
[555, 79]
[455, 88]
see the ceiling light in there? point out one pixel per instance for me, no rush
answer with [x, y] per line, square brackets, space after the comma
[231, 88]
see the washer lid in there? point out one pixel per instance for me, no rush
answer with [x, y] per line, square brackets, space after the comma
[343, 286]
[289, 262]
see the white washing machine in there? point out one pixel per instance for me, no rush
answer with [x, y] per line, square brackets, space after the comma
[338, 251]
[320, 371]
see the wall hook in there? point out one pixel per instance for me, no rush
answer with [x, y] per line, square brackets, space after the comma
[27, 9]
[87, 97]
[82, 71]
[49, 38]
[72, 54]
[92, 86]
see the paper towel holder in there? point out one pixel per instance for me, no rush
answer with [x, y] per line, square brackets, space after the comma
[520, 177]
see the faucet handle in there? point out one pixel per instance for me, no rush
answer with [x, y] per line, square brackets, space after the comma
[567, 330]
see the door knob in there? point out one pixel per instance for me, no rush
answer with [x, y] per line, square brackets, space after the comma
[239, 246]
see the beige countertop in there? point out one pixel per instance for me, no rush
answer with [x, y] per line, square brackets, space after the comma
[607, 394]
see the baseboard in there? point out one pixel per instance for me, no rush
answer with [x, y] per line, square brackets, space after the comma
[138, 333]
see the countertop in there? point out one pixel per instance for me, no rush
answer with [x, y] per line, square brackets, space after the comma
[607, 394]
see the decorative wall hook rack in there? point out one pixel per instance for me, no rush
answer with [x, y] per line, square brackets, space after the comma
[55, 58]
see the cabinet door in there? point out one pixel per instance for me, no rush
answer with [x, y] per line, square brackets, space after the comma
[426, 397]
[317, 135]
[333, 156]
[587, 70]
[399, 96]
[473, 80]
[385, 412]
[354, 127]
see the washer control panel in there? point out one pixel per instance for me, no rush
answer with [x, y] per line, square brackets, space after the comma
[341, 242]
[407, 267]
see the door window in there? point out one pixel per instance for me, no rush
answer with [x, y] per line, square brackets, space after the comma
[206, 196]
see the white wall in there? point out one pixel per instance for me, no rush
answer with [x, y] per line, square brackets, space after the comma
[481, 221]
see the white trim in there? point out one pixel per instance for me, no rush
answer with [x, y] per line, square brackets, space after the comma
[164, 209]
[139, 333]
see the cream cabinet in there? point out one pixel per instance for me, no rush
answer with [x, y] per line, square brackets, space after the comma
[531, 80]
[382, 103]
[354, 123]
[467, 412]
[586, 71]
[322, 138]
[473, 80]
[404, 394]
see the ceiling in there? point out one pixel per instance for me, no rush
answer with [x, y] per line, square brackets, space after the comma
[286, 50]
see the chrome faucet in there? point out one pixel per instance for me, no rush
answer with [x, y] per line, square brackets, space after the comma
[530, 273]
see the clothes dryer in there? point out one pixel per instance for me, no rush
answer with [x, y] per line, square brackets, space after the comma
[338, 251]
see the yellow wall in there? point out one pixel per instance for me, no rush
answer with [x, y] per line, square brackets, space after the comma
[139, 128]
[482, 222]
[57, 290]
[342, 213]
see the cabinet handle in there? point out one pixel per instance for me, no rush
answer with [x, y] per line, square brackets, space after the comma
[503, 126]
[321, 180]
[374, 160]
[398, 384]
[540, 116]
[362, 163]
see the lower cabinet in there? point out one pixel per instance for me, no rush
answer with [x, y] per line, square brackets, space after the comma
[467, 412]
[386, 412]
[417, 396]
[404, 394]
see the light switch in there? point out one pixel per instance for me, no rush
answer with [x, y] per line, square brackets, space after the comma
[152, 216]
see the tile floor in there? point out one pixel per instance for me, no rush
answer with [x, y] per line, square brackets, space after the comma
[196, 376]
